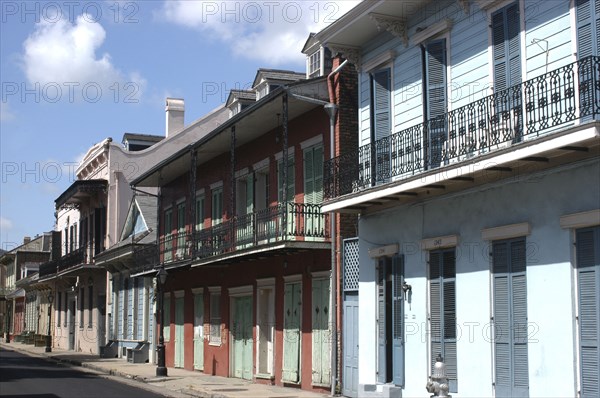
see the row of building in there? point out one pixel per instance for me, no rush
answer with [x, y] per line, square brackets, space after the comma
[429, 188]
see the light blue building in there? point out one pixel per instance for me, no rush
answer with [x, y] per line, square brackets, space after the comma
[477, 180]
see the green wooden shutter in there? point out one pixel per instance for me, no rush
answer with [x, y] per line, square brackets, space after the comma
[250, 193]
[320, 332]
[588, 292]
[291, 324]
[506, 47]
[179, 333]
[167, 317]
[510, 318]
[398, 320]
[309, 177]
[381, 334]
[291, 182]
[199, 332]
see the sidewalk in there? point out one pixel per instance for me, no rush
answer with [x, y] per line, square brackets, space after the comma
[179, 383]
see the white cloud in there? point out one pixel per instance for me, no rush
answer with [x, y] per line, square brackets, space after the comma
[5, 224]
[271, 31]
[62, 52]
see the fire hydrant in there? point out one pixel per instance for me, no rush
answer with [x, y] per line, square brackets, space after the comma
[438, 382]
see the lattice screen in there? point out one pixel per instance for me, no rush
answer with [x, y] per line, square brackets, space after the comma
[351, 261]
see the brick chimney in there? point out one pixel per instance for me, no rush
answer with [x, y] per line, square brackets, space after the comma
[174, 109]
[26, 240]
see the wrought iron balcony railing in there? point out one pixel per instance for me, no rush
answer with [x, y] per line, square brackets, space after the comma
[523, 112]
[72, 259]
[284, 222]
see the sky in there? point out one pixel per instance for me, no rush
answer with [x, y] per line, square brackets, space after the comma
[76, 72]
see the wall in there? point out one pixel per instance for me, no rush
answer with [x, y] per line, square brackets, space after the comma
[549, 276]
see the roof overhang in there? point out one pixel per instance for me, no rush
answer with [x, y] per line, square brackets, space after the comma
[253, 122]
[80, 191]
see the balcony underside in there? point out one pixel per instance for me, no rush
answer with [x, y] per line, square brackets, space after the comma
[571, 144]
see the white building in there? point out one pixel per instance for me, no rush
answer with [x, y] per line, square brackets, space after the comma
[477, 183]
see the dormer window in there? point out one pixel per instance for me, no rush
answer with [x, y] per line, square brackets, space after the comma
[314, 64]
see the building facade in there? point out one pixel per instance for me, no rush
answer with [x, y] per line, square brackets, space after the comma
[476, 181]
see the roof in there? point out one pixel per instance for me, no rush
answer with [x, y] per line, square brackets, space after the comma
[277, 74]
[142, 137]
[255, 114]
[244, 95]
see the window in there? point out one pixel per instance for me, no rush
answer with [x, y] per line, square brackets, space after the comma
[217, 206]
[442, 297]
[510, 317]
[314, 64]
[291, 181]
[588, 41]
[588, 294]
[81, 307]
[245, 195]
[436, 99]
[215, 318]
[313, 174]
[90, 306]
[167, 317]
[506, 47]
[200, 216]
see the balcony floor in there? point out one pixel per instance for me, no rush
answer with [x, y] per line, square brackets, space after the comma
[568, 145]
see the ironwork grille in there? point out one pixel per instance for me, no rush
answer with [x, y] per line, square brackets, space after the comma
[351, 261]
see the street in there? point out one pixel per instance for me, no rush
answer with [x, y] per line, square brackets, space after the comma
[27, 376]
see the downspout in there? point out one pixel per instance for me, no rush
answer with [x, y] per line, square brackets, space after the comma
[331, 110]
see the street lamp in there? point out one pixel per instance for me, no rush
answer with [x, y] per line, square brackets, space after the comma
[49, 337]
[161, 369]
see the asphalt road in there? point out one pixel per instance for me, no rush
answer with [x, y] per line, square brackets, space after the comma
[26, 376]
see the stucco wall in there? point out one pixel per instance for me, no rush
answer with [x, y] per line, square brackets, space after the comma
[540, 200]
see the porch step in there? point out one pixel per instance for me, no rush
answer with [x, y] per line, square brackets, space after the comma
[109, 350]
[139, 354]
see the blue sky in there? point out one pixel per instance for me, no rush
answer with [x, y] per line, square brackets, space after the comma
[76, 72]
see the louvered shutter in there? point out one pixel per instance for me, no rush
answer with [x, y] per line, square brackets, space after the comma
[309, 181]
[510, 318]
[437, 104]
[318, 174]
[381, 335]
[588, 27]
[398, 321]
[588, 291]
[506, 47]
[291, 187]
[442, 287]
[381, 81]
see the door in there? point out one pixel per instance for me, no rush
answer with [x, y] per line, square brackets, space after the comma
[101, 329]
[242, 337]
[198, 332]
[179, 333]
[292, 304]
[321, 334]
[350, 345]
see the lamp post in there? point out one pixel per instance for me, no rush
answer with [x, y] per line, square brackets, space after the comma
[49, 336]
[161, 369]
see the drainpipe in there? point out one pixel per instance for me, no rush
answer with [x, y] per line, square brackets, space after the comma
[331, 109]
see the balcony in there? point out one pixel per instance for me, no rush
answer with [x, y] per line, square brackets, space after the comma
[75, 259]
[298, 224]
[507, 120]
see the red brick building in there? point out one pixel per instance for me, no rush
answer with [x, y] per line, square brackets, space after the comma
[243, 239]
